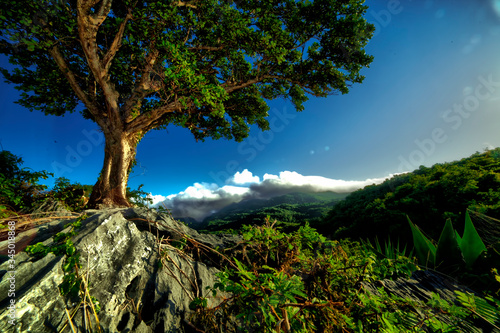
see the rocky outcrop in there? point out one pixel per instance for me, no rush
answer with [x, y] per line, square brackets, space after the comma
[49, 207]
[142, 284]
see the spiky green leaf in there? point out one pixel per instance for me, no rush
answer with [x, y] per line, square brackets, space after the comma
[424, 249]
[448, 251]
[472, 246]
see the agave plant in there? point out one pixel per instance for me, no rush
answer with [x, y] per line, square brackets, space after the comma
[451, 249]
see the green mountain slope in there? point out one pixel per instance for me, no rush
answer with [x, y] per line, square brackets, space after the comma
[286, 208]
[427, 195]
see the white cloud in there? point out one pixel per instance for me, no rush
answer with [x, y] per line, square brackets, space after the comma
[268, 176]
[244, 177]
[156, 198]
[201, 199]
[200, 190]
[488, 145]
[289, 181]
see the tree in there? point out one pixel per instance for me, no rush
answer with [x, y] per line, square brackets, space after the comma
[206, 65]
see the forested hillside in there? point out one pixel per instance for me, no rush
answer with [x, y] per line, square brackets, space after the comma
[428, 196]
[291, 209]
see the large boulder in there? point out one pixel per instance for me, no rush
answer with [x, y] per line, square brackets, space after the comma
[141, 283]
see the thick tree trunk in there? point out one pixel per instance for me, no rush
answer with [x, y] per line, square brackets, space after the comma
[119, 155]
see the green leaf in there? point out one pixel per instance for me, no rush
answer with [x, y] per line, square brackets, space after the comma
[459, 239]
[472, 245]
[242, 270]
[424, 249]
[448, 251]
[299, 293]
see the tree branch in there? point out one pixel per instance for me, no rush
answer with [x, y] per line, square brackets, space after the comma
[87, 31]
[185, 4]
[232, 87]
[148, 120]
[87, 4]
[103, 12]
[117, 42]
[142, 89]
[145, 120]
[66, 71]
[209, 48]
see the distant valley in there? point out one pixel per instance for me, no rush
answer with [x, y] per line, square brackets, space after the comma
[298, 206]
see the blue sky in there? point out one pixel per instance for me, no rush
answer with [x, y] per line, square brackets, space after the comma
[431, 95]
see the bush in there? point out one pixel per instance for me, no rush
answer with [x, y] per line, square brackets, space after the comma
[19, 187]
[139, 197]
[73, 196]
[301, 282]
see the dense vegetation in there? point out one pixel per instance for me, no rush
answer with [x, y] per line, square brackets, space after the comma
[21, 191]
[302, 282]
[292, 210]
[19, 187]
[428, 196]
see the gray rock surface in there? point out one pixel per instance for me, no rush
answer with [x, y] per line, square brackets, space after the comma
[49, 207]
[120, 252]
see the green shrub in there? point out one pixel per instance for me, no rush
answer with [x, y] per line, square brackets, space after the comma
[71, 195]
[299, 282]
[139, 197]
[19, 187]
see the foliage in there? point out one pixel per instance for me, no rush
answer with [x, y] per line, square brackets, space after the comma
[302, 282]
[389, 251]
[209, 56]
[139, 197]
[488, 308]
[428, 195]
[19, 187]
[392, 258]
[72, 195]
[455, 255]
[466, 313]
[451, 248]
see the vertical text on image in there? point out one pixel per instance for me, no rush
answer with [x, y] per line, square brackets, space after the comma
[11, 252]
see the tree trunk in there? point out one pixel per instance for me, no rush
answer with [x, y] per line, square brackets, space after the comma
[111, 187]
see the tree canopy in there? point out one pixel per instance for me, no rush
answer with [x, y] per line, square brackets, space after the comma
[206, 65]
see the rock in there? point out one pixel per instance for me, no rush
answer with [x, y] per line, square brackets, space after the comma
[121, 254]
[50, 208]
[30, 232]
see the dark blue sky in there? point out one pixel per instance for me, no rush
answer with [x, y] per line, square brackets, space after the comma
[431, 95]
